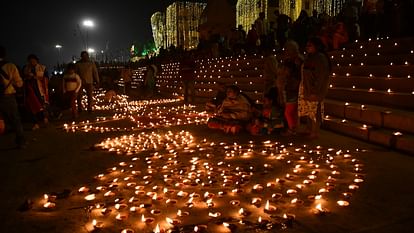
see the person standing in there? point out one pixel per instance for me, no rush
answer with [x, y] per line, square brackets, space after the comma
[314, 86]
[270, 65]
[290, 73]
[88, 73]
[11, 79]
[262, 27]
[71, 86]
[36, 87]
[187, 66]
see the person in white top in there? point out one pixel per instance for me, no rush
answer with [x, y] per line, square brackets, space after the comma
[71, 85]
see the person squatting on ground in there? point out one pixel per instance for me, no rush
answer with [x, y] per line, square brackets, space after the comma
[270, 118]
[87, 71]
[10, 78]
[233, 114]
[36, 89]
[314, 86]
[72, 83]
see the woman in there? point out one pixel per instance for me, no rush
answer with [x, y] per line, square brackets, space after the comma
[36, 87]
[314, 86]
[234, 112]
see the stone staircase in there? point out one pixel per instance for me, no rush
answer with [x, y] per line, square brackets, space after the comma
[245, 72]
[371, 96]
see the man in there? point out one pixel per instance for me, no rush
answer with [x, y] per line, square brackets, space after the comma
[9, 75]
[88, 72]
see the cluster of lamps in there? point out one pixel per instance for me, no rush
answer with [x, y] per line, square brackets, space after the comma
[171, 180]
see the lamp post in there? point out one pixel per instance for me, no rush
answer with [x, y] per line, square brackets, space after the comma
[59, 47]
[88, 24]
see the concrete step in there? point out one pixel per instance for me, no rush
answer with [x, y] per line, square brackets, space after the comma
[383, 42]
[374, 70]
[228, 73]
[381, 98]
[377, 83]
[390, 139]
[384, 47]
[233, 63]
[398, 59]
[372, 115]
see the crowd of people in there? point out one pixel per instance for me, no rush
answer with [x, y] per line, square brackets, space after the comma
[294, 93]
[24, 94]
[294, 88]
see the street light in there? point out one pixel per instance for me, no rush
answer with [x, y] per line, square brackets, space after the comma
[58, 46]
[88, 24]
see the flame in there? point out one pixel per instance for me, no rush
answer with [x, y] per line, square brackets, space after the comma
[157, 229]
[343, 203]
[241, 211]
[267, 205]
[94, 222]
[319, 207]
[260, 219]
[142, 218]
[169, 220]
[154, 197]
[90, 197]
[226, 224]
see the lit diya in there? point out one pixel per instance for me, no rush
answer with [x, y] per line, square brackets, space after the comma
[269, 208]
[342, 203]
[172, 221]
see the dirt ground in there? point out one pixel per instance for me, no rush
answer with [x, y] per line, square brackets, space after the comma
[55, 161]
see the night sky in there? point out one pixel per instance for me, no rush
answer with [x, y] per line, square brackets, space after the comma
[37, 26]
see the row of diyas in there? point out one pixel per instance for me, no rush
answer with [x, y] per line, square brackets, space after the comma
[153, 118]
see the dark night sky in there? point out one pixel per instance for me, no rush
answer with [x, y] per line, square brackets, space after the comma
[37, 26]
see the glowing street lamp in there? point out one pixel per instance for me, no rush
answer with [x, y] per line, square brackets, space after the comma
[87, 24]
[59, 47]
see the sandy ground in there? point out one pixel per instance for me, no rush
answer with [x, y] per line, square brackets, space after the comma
[55, 161]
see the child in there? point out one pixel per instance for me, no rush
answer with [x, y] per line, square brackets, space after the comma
[71, 86]
[271, 115]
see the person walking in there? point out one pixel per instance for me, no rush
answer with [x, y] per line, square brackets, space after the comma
[88, 73]
[10, 78]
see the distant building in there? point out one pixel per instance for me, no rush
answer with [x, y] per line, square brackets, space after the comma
[159, 30]
[182, 22]
[247, 11]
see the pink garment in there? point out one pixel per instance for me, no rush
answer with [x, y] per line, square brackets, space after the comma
[291, 114]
